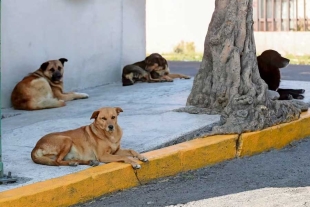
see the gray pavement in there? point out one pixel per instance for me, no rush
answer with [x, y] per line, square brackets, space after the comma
[147, 122]
[279, 178]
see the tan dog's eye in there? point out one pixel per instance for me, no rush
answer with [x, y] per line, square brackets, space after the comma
[113, 117]
[104, 118]
[52, 70]
[59, 68]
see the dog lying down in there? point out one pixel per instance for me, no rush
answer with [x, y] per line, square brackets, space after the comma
[269, 64]
[154, 68]
[87, 145]
[43, 88]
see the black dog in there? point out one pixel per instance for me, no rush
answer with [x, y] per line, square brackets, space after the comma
[269, 64]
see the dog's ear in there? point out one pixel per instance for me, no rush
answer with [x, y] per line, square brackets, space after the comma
[44, 66]
[165, 62]
[95, 115]
[63, 60]
[147, 59]
[162, 62]
[118, 110]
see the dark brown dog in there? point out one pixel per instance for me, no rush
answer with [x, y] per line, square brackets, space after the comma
[269, 64]
[164, 73]
[140, 71]
[154, 68]
[43, 88]
[87, 145]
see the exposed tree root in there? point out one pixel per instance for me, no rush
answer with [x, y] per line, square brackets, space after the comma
[228, 82]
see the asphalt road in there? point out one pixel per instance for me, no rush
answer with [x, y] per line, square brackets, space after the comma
[291, 72]
[276, 178]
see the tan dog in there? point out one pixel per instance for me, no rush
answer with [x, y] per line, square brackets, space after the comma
[43, 88]
[87, 145]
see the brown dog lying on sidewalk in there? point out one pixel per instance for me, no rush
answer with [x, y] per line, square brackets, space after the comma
[269, 64]
[43, 88]
[154, 68]
[87, 145]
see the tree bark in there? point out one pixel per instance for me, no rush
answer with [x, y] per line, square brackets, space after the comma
[228, 81]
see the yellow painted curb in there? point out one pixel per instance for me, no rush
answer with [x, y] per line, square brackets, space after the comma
[93, 182]
[189, 155]
[274, 137]
[73, 188]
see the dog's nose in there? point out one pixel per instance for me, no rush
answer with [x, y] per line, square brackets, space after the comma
[110, 127]
[58, 75]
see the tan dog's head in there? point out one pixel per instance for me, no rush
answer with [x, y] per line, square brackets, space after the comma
[273, 58]
[53, 69]
[155, 62]
[106, 118]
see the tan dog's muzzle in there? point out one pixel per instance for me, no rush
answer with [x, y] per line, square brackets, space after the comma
[110, 128]
[56, 76]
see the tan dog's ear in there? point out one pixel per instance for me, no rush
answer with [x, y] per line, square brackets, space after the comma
[118, 110]
[44, 66]
[95, 115]
[63, 60]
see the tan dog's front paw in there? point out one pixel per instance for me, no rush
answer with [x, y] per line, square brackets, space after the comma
[94, 163]
[187, 77]
[73, 164]
[136, 166]
[62, 103]
[143, 159]
[82, 95]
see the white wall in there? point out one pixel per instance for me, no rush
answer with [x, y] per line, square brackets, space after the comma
[168, 22]
[134, 31]
[171, 21]
[97, 37]
[296, 43]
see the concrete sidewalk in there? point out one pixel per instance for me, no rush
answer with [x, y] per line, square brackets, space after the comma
[147, 122]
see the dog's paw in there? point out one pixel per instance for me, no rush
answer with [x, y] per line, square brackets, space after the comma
[136, 166]
[73, 164]
[94, 163]
[143, 159]
[62, 103]
[300, 97]
[82, 95]
[187, 77]
[289, 97]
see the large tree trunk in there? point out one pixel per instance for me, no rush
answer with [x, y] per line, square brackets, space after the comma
[228, 81]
